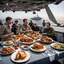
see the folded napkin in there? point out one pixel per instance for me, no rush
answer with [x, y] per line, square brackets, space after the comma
[51, 56]
[57, 52]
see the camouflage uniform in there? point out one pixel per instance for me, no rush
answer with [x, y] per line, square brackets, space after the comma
[4, 31]
[50, 32]
[25, 28]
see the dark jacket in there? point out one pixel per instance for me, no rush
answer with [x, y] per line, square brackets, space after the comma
[50, 32]
[31, 24]
[14, 28]
[35, 28]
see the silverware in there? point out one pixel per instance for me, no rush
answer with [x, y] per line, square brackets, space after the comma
[48, 51]
[52, 50]
[45, 53]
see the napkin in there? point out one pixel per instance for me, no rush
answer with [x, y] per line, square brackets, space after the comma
[57, 52]
[51, 56]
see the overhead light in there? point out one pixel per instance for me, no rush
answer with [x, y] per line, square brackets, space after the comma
[2, 10]
[25, 11]
[13, 10]
[34, 12]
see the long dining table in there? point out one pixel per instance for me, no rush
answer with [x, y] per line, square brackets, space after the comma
[45, 57]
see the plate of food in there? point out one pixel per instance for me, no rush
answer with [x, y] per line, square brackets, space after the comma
[37, 47]
[34, 35]
[58, 46]
[19, 35]
[20, 56]
[7, 50]
[46, 40]
[9, 42]
[27, 40]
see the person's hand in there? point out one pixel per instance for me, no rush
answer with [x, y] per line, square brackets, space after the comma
[29, 31]
[11, 34]
[17, 31]
[36, 31]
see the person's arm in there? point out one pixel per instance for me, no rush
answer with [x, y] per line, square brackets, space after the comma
[21, 29]
[30, 28]
[38, 28]
[3, 35]
[7, 35]
[51, 33]
[25, 31]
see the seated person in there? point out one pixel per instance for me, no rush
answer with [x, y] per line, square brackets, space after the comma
[49, 31]
[5, 32]
[25, 27]
[35, 27]
[0, 27]
[15, 27]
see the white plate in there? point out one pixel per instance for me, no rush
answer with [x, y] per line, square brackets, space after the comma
[8, 53]
[36, 37]
[40, 50]
[7, 44]
[54, 47]
[19, 61]
[28, 42]
[47, 42]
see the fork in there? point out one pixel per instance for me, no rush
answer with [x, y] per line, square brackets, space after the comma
[45, 53]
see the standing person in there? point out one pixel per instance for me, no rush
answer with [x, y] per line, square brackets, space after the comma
[1, 23]
[43, 23]
[49, 31]
[25, 27]
[5, 32]
[31, 23]
[15, 27]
